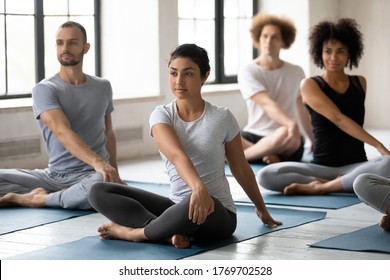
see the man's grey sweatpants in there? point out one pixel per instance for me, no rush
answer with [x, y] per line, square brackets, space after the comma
[66, 190]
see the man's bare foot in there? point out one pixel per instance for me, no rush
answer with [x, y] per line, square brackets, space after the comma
[315, 187]
[180, 241]
[385, 222]
[112, 230]
[35, 198]
[4, 202]
[271, 159]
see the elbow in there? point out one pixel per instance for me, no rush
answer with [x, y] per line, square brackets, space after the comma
[177, 159]
[339, 121]
[60, 135]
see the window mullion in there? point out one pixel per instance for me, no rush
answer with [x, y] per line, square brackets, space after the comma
[39, 41]
[97, 13]
[219, 34]
[5, 51]
[255, 9]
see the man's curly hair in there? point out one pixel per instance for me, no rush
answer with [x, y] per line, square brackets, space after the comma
[346, 31]
[286, 26]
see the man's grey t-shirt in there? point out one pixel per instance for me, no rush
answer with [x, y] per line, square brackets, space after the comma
[203, 140]
[85, 106]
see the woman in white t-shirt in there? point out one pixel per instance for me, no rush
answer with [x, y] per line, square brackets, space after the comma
[194, 138]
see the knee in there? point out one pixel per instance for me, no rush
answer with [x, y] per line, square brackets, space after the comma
[279, 135]
[386, 158]
[361, 184]
[282, 131]
[97, 191]
[265, 178]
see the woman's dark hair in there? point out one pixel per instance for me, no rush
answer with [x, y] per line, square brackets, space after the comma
[286, 26]
[346, 31]
[197, 54]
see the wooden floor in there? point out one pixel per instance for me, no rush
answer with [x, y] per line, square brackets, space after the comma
[288, 244]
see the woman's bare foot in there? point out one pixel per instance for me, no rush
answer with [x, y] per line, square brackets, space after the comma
[271, 159]
[35, 198]
[385, 222]
[315, 187]
[112, 230]
[180, 241]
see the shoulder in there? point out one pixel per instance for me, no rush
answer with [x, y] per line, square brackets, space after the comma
[308, 84]
[162, 114]
[51, 84]
[98, 80]
[292, 65]
[169, 107]
[363, 82]
[250, 67]
[219, 113]
[294, 68]
[314, 80]
[216, 109]
[163, 110]
[51, 81]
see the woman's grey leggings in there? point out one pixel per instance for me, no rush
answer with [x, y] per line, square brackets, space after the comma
[373, 190]
[161, 218]
[277, 176]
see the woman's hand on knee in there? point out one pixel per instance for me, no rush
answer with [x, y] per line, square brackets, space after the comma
[201, 205]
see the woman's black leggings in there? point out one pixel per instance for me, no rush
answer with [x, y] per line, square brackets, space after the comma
[161, 218]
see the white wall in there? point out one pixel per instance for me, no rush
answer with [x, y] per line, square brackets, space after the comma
[297, 11]
[374, 16]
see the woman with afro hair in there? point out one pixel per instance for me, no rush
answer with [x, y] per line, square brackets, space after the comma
[335, 101]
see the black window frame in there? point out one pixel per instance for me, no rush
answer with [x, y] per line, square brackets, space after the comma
[40, 46]
[220, 77]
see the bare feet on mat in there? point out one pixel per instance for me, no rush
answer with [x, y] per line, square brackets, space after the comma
[315, 187]
[36, 198]
[385, 222]
[4, 201]
[112, 230]
[180, 241]
[271, 159]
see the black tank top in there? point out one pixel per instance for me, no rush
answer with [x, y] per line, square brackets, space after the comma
[333, 147]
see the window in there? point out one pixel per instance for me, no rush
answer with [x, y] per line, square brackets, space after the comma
[131, 41]
[27, 40]
[222, 28]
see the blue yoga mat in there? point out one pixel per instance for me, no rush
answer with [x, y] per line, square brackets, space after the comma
[95, 248]
[329, 201]
[369, 239]
[18, 218]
